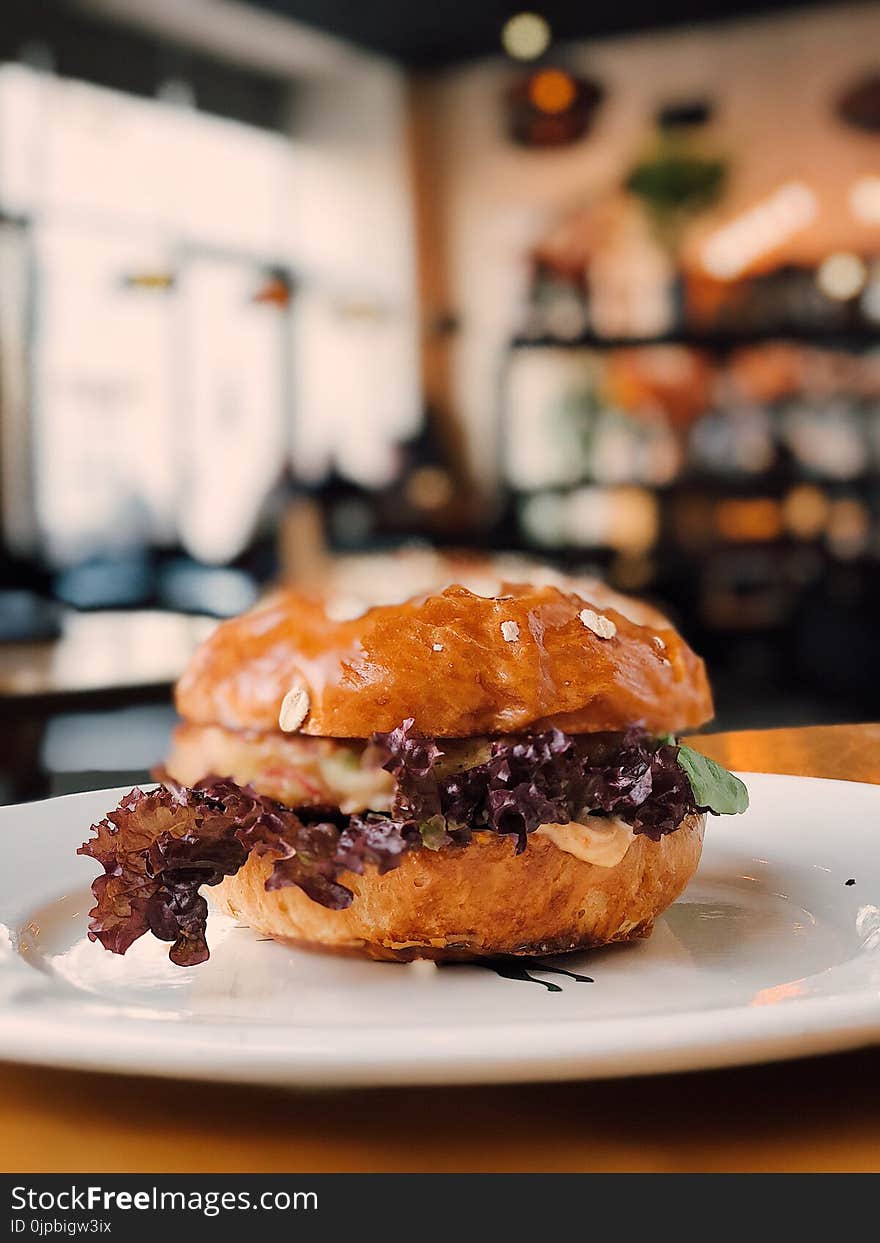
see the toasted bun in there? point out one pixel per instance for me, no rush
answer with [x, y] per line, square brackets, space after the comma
[461, 665]
[476, 901]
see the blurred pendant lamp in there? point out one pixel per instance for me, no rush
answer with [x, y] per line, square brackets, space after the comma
[549, 107]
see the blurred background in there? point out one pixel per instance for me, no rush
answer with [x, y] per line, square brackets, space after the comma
[289, 286]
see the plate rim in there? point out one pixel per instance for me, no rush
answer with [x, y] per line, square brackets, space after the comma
[687, 1040]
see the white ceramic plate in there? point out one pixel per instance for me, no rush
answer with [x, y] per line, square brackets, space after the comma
[769, 954]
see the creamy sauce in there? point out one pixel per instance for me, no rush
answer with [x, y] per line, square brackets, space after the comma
[597, 840]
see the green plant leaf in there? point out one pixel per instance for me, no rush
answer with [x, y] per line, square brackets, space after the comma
[713, 786]
[433, 831]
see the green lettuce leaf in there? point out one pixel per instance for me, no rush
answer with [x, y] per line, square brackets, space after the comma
[433, 832]
[713, 786]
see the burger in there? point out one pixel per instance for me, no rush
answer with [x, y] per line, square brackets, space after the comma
[458, 776]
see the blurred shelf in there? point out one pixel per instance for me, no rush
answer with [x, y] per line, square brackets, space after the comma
[719, 342]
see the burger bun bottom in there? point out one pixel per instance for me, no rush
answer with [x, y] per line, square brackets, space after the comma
[476, 901]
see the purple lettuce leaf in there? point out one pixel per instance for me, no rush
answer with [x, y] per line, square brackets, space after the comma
[158, 849]
[543, 779]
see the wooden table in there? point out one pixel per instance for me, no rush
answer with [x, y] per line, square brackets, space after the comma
[99, 653]
[818, 1114]
[108, 659]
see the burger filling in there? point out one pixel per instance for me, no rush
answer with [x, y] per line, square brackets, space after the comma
[292, 769]
[600, 840]
[401, 792]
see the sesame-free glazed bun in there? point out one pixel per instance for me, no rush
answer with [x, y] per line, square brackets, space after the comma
[460, 664]
[479, 900]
